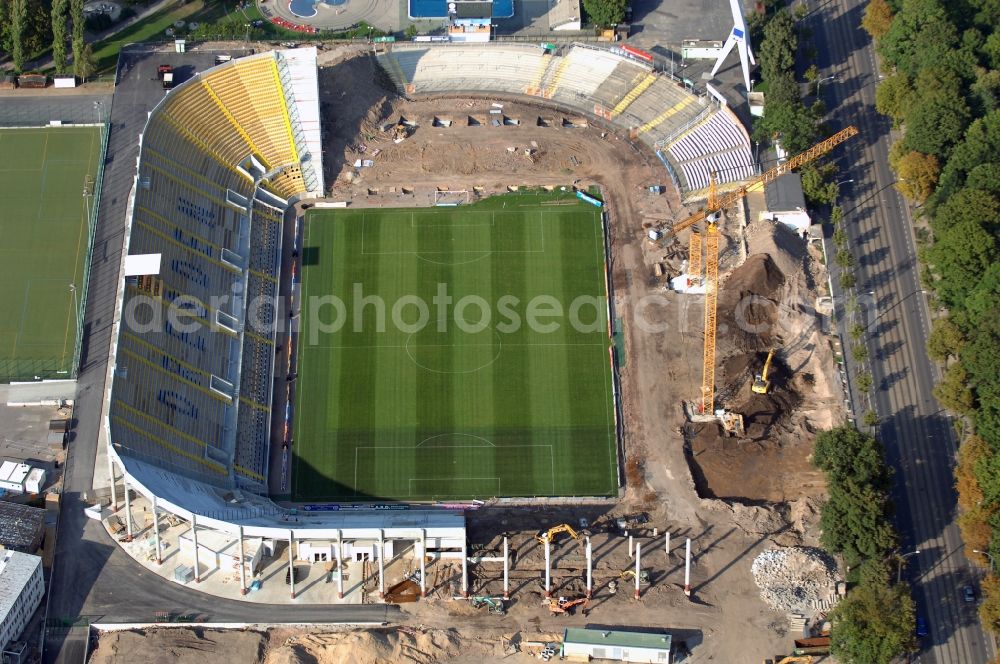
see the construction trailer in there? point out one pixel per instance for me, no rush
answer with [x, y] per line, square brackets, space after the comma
[617, 645]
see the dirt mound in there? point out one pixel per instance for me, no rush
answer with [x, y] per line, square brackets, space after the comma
[180, 646]
[749, 309]
[759, 275]
[377, 646]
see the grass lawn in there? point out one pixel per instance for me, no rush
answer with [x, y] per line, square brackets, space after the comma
[473, 398]
[44, 223]
[152, 27]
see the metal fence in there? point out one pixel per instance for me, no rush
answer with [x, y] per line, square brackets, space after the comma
[95, 204]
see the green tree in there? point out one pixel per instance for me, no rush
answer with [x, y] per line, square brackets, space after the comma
[605, 13]
[935, 124]
[864, 382]
[874, 623]
[855, 524]
[877, 19]
[411, 31]
[966, 243]
[60, 10]
[953, 391]
[18, 32]
[76, 17]
[920, 34]
[844, 453]
[847, 280]
[857, 331]
[945, 340]
[777, 50]
[816, 183]
[844, 258]
[918, 174]
[859, 352]
[86, 65]
[892, 97]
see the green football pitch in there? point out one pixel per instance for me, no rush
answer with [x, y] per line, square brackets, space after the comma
[44, 224]
[434, 362]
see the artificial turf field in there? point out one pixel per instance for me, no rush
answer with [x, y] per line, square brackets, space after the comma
[443, 410]
[44, 224]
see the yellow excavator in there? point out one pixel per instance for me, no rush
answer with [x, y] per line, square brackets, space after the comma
[791, 659]
[761, 383]
[555, 530]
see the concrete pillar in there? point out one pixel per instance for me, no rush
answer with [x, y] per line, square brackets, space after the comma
[194, 538]
[506, 568]
[666, 548]
[548, 578]
[156, 533]
[631, 551]
[291, 562]
[465, 569]
[423, 562]
[638, 556]
[243, 566]
[381, 564]
[128, 508]
[340, 564]
[590, 571]
[114, 490]
[687, 568]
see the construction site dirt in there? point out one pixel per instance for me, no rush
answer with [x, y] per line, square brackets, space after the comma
[733, 496]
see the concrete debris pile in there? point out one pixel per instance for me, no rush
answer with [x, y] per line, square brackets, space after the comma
[795, 579]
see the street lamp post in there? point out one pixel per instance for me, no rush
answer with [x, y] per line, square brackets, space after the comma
[988, 555]
[820, 81]
[843, 182]
[899, 564]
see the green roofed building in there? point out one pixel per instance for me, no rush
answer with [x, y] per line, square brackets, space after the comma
[618, 646]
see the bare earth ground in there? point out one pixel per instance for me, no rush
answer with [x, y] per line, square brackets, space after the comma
[766, 476]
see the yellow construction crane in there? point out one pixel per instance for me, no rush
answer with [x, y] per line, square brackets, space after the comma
[761, 385]
[791, 659]
[555, 530]
[711, 214]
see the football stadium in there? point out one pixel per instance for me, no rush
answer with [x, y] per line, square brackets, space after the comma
[518, 412]
[288, 366]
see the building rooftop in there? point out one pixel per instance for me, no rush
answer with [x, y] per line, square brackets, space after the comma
[617, 638]
[785, 194]
[16, 569]
[562, 12]
[21, 526]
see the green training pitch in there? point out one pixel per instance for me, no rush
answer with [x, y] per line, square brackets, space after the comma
[475, 397]
[44, 221]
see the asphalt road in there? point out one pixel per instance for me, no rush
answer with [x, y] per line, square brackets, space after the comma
[920, 443]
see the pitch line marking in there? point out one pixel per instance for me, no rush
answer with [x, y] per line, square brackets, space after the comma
[411, 480]
[406, 347]
[552, 462]
[456, 433]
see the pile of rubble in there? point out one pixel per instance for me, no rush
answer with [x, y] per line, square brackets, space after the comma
[795, 579]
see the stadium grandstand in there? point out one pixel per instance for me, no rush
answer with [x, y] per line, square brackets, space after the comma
[691, 134]
[188, 412]
[221, 157]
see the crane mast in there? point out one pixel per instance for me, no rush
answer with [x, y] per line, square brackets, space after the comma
[712, 213]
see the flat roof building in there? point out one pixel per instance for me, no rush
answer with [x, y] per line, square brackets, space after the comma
[21, 527]
[21, 590]
[617, 645]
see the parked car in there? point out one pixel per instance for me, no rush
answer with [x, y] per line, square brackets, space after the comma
[921, 627]
[969, 594]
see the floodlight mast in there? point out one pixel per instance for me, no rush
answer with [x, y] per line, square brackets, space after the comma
[740, 39]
